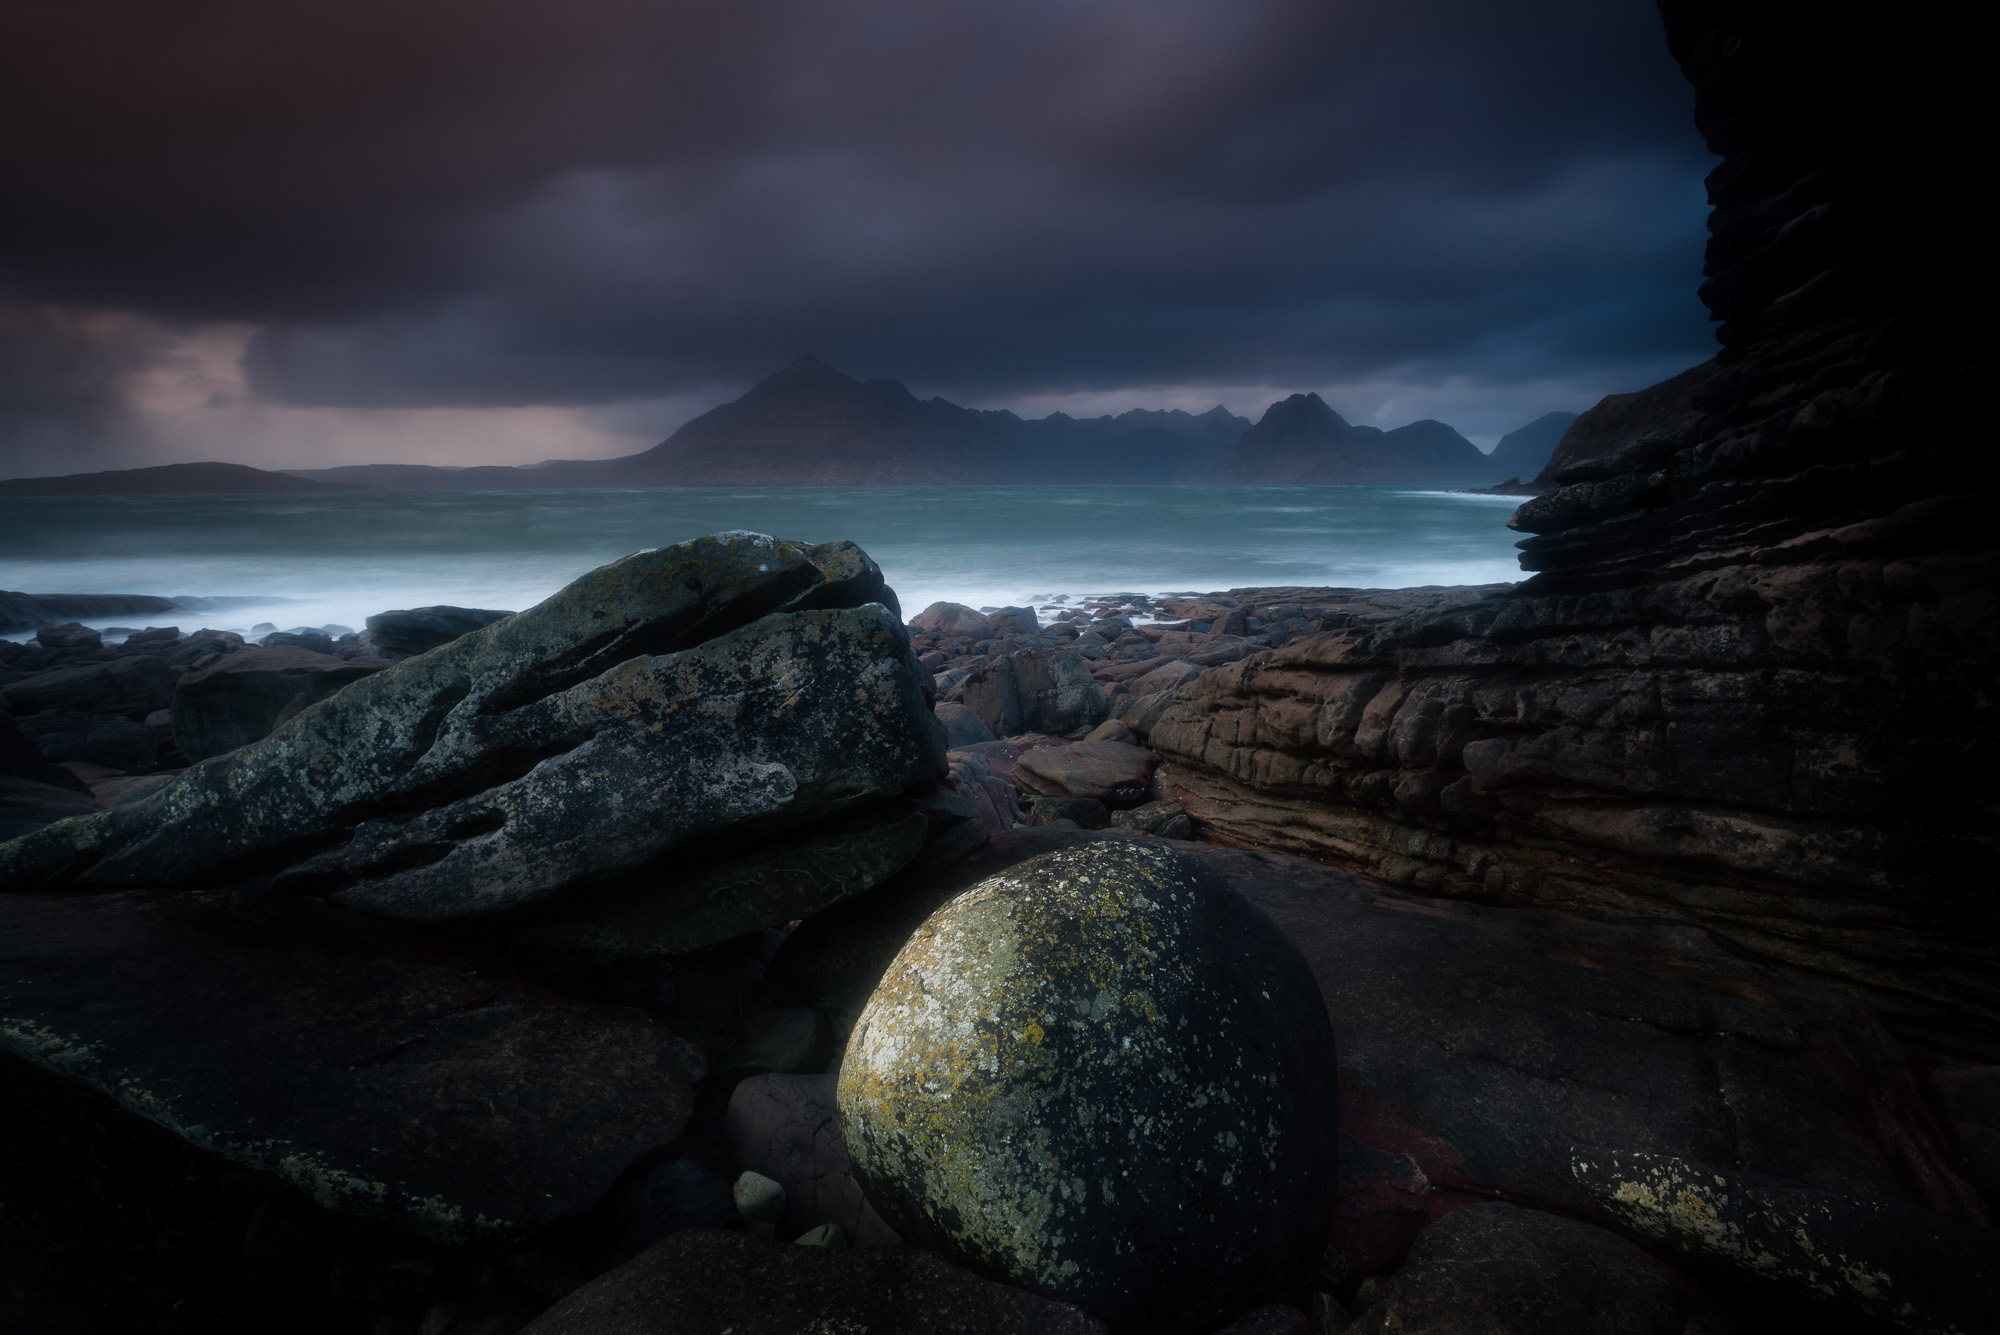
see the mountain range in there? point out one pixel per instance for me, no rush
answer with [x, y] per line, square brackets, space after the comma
[810, 425]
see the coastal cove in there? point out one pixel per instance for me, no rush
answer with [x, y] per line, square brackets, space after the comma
[294, 560]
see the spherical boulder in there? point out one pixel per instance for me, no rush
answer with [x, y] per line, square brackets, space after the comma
[1103, 1076]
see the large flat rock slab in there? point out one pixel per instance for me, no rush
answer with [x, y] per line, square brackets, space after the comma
[1486, 1042]
[418, 1093]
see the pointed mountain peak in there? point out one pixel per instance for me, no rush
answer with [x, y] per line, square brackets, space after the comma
[1301, 414]
[808, 377]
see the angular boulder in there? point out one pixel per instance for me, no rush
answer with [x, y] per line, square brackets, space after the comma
[1169, 677]
[962, 727]
[411, 631]
[1014, 621]
[954, 619]
[72, 635]
[973, 778]
[1034, 690]
[708, 1282]
[1107, 1079]
[1114, 773]
[242, 698]
[790, 719]
[668, 696]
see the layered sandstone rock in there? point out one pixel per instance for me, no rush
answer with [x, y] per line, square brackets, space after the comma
[1750, 683]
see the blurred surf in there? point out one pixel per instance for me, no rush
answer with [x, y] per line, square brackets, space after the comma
[292, 561]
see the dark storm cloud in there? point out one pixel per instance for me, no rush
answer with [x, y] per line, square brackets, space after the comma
[440, 202]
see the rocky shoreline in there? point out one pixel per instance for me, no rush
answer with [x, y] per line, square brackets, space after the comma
[396, 1019]
[710, 949]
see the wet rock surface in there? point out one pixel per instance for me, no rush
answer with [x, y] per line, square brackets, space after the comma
[1106, 1079]
[1033, 690]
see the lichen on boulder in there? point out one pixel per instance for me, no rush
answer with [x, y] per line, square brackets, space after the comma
[1105, 1077]
[604, 743]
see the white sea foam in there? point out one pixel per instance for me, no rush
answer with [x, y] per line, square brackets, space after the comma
[292, 561]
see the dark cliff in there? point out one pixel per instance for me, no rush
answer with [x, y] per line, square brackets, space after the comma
[1752, 681]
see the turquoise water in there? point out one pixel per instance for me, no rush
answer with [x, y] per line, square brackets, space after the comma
[311, 561]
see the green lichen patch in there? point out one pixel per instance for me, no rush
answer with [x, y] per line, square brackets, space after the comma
[433, 728]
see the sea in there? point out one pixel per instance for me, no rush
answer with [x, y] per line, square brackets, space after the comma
[289, 561]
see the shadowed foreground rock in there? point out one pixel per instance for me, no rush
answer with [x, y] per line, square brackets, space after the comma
[787, 1127]
[431, 1097]
[1479, 1046]
[1498, 1270]
[704, 1282]
[1107, 1079]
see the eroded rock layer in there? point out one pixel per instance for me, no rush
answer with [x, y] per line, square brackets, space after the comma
[1750, 683]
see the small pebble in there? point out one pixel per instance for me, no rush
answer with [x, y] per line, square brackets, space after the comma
[830, 1236]
[758, 1199]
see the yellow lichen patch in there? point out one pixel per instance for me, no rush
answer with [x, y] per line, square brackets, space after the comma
[1772, 1229]
[1023, 1085]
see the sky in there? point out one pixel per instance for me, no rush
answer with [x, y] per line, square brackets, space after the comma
[439, 231]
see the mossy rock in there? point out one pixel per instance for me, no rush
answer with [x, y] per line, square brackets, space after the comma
[1105, 1077]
